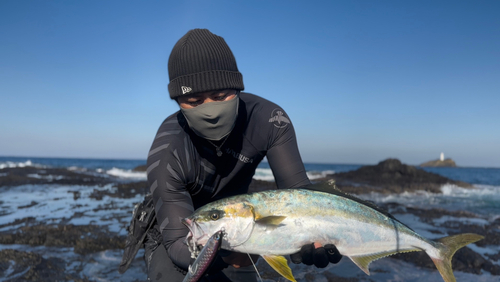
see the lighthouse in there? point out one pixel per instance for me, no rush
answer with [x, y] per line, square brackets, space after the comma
[441, 157]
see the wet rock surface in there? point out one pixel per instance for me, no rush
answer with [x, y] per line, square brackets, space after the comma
[83, 240]
[123, 190]
[29, 266]
[465, 260]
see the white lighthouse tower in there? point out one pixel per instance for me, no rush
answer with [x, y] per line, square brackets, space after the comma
[441, 157]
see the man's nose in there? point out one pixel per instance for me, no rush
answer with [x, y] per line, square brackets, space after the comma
[208, 100]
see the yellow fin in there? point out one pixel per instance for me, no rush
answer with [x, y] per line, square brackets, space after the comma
[364, 261]
[447, 247]
[279, 263]
[271, 220]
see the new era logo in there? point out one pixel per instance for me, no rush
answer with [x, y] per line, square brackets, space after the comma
[186, 89]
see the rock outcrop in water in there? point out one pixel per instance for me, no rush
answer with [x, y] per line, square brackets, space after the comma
[391, 176]
[440, 163]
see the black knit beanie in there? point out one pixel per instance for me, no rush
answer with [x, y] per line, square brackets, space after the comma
[202, 61]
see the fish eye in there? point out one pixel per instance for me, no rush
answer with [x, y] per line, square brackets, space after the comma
[214, 216]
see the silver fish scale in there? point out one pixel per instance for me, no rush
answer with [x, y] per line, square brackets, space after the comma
[280, 222]
[353, 227]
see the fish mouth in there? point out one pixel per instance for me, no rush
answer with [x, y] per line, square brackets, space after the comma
[196, 237]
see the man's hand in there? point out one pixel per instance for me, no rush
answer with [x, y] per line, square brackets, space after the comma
[238, 260]
[317, 255]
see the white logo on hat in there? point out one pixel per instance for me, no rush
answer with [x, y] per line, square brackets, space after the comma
[186, 89]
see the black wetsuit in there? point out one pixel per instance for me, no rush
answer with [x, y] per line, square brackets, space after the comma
[184, 171]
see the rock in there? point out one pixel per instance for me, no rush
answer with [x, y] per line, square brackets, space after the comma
[123, 190]
[465, 260]
[98, 243]
[391, 176]
[141, 168]
[260, 185]
[439, 163]
[84, 238]
[28, 266]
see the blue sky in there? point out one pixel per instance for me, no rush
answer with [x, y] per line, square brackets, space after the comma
[362, 80]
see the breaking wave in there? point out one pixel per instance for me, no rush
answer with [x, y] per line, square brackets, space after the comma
[27, 163]
[126, 173]
[266, 174]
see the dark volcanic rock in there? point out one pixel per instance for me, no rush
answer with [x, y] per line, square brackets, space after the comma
[141, 168]
[28, 266]
[391, 176]
[426, 215]
[123, 190]
[465, 260]
[84, 238]
[260, 185]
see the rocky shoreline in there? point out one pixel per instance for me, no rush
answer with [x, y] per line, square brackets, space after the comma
[390, 176]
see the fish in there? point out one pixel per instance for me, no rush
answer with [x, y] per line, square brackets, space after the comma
[276, 223]
[204, 258]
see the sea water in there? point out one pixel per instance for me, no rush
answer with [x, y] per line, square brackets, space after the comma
[56, 204]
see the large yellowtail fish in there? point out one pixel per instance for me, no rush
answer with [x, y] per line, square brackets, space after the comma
[279, 222]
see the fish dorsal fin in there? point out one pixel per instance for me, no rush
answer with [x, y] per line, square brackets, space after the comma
[273, 220]
[279, 263]
[331, 188]
[364, 261]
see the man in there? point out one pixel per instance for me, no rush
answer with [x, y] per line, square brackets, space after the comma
[209, 150]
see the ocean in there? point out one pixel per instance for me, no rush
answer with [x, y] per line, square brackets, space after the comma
[56, 204]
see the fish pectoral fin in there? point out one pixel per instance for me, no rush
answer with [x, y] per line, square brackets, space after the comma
[273, 220]
[280, 264]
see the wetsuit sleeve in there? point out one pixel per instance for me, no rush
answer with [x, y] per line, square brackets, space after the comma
[283, 153]
[168, 167]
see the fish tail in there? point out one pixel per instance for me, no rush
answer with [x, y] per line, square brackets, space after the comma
[447, 246]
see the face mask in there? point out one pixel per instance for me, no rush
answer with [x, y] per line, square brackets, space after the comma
[214, 120]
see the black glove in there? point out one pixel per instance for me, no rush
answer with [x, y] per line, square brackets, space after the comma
[320, 257]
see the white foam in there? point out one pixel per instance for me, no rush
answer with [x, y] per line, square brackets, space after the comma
[319, 174]
[490, 250]
[463, 220]
[75, 168]
[479, 190]
[19, 164]
[129, 174]
[481, 199]
[46, 177]
[264, 174]
[57, 203]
